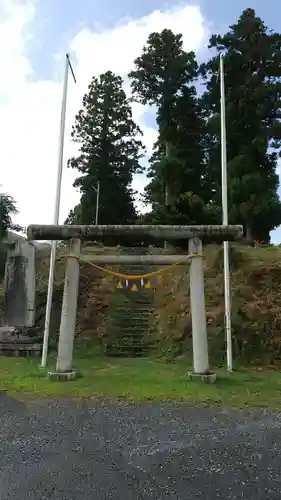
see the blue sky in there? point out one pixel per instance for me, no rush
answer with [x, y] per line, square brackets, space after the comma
[57, 21]
[99, 34]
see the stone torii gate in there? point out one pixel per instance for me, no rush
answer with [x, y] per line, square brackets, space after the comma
[77, 233]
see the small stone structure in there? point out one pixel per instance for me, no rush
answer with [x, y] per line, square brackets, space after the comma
[19, 341]
[19, 284]
[18, 335]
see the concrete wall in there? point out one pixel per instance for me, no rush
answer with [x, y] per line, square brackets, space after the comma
[19, 285]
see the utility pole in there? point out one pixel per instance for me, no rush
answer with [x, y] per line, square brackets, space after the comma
[97, 189]
[167, 154]
[56, 211]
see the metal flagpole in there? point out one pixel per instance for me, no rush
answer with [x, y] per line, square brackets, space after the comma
[227, 304]
[56, 212]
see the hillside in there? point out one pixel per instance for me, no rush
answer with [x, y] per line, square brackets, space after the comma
[104, 311]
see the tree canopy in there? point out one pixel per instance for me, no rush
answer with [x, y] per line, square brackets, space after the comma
[252, 70]
[110, 151]
[7, 210]
[184, 171]
[164, 75]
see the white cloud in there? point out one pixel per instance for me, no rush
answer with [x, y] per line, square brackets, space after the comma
[30, 109]
[15, 68]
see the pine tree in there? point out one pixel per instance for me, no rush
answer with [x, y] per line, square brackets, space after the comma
[252, 60]
[7, 210]
[164, 76]
[110, 152]
[74, 216]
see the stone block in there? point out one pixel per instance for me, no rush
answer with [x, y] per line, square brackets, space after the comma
[62, 376]
[208, 378]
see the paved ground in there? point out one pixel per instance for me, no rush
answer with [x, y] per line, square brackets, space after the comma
[99, 451]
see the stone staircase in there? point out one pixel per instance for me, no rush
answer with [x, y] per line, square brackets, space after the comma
[129, 318]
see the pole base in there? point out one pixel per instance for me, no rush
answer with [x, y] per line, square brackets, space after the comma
[209, 378]
[64, 376]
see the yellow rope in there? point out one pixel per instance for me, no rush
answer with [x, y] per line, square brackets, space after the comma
[136, 276]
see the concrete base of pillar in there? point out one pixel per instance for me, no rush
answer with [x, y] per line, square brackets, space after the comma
[209, 378]
[62, 376]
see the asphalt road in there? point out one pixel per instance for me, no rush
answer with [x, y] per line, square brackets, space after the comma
[97, 450]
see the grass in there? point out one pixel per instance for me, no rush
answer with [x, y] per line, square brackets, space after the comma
[148, 378]
[142, 379]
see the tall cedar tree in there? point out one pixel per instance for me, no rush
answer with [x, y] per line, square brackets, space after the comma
[252, 60]
[164, 76]
[110, 152]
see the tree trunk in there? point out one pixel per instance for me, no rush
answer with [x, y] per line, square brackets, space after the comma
[249, 234]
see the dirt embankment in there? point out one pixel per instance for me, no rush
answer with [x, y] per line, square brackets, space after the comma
[256, 302]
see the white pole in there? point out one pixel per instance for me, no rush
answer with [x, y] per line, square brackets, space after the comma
[56, 214]
[97, 203]
[166, 199]
[227, 304]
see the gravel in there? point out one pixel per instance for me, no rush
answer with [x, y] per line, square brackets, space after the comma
[100, 450]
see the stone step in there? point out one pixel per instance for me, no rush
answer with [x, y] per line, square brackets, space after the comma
[129, 323]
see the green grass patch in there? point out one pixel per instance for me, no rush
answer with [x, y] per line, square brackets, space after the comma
[141, 379]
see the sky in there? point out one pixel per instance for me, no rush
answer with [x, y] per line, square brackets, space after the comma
[99, 35]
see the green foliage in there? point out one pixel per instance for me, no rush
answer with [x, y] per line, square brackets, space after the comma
[110, 152]
[162, 71]
[74, 215]
[7, 210]
[252, 70]
[164, 76]
[185, 167]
